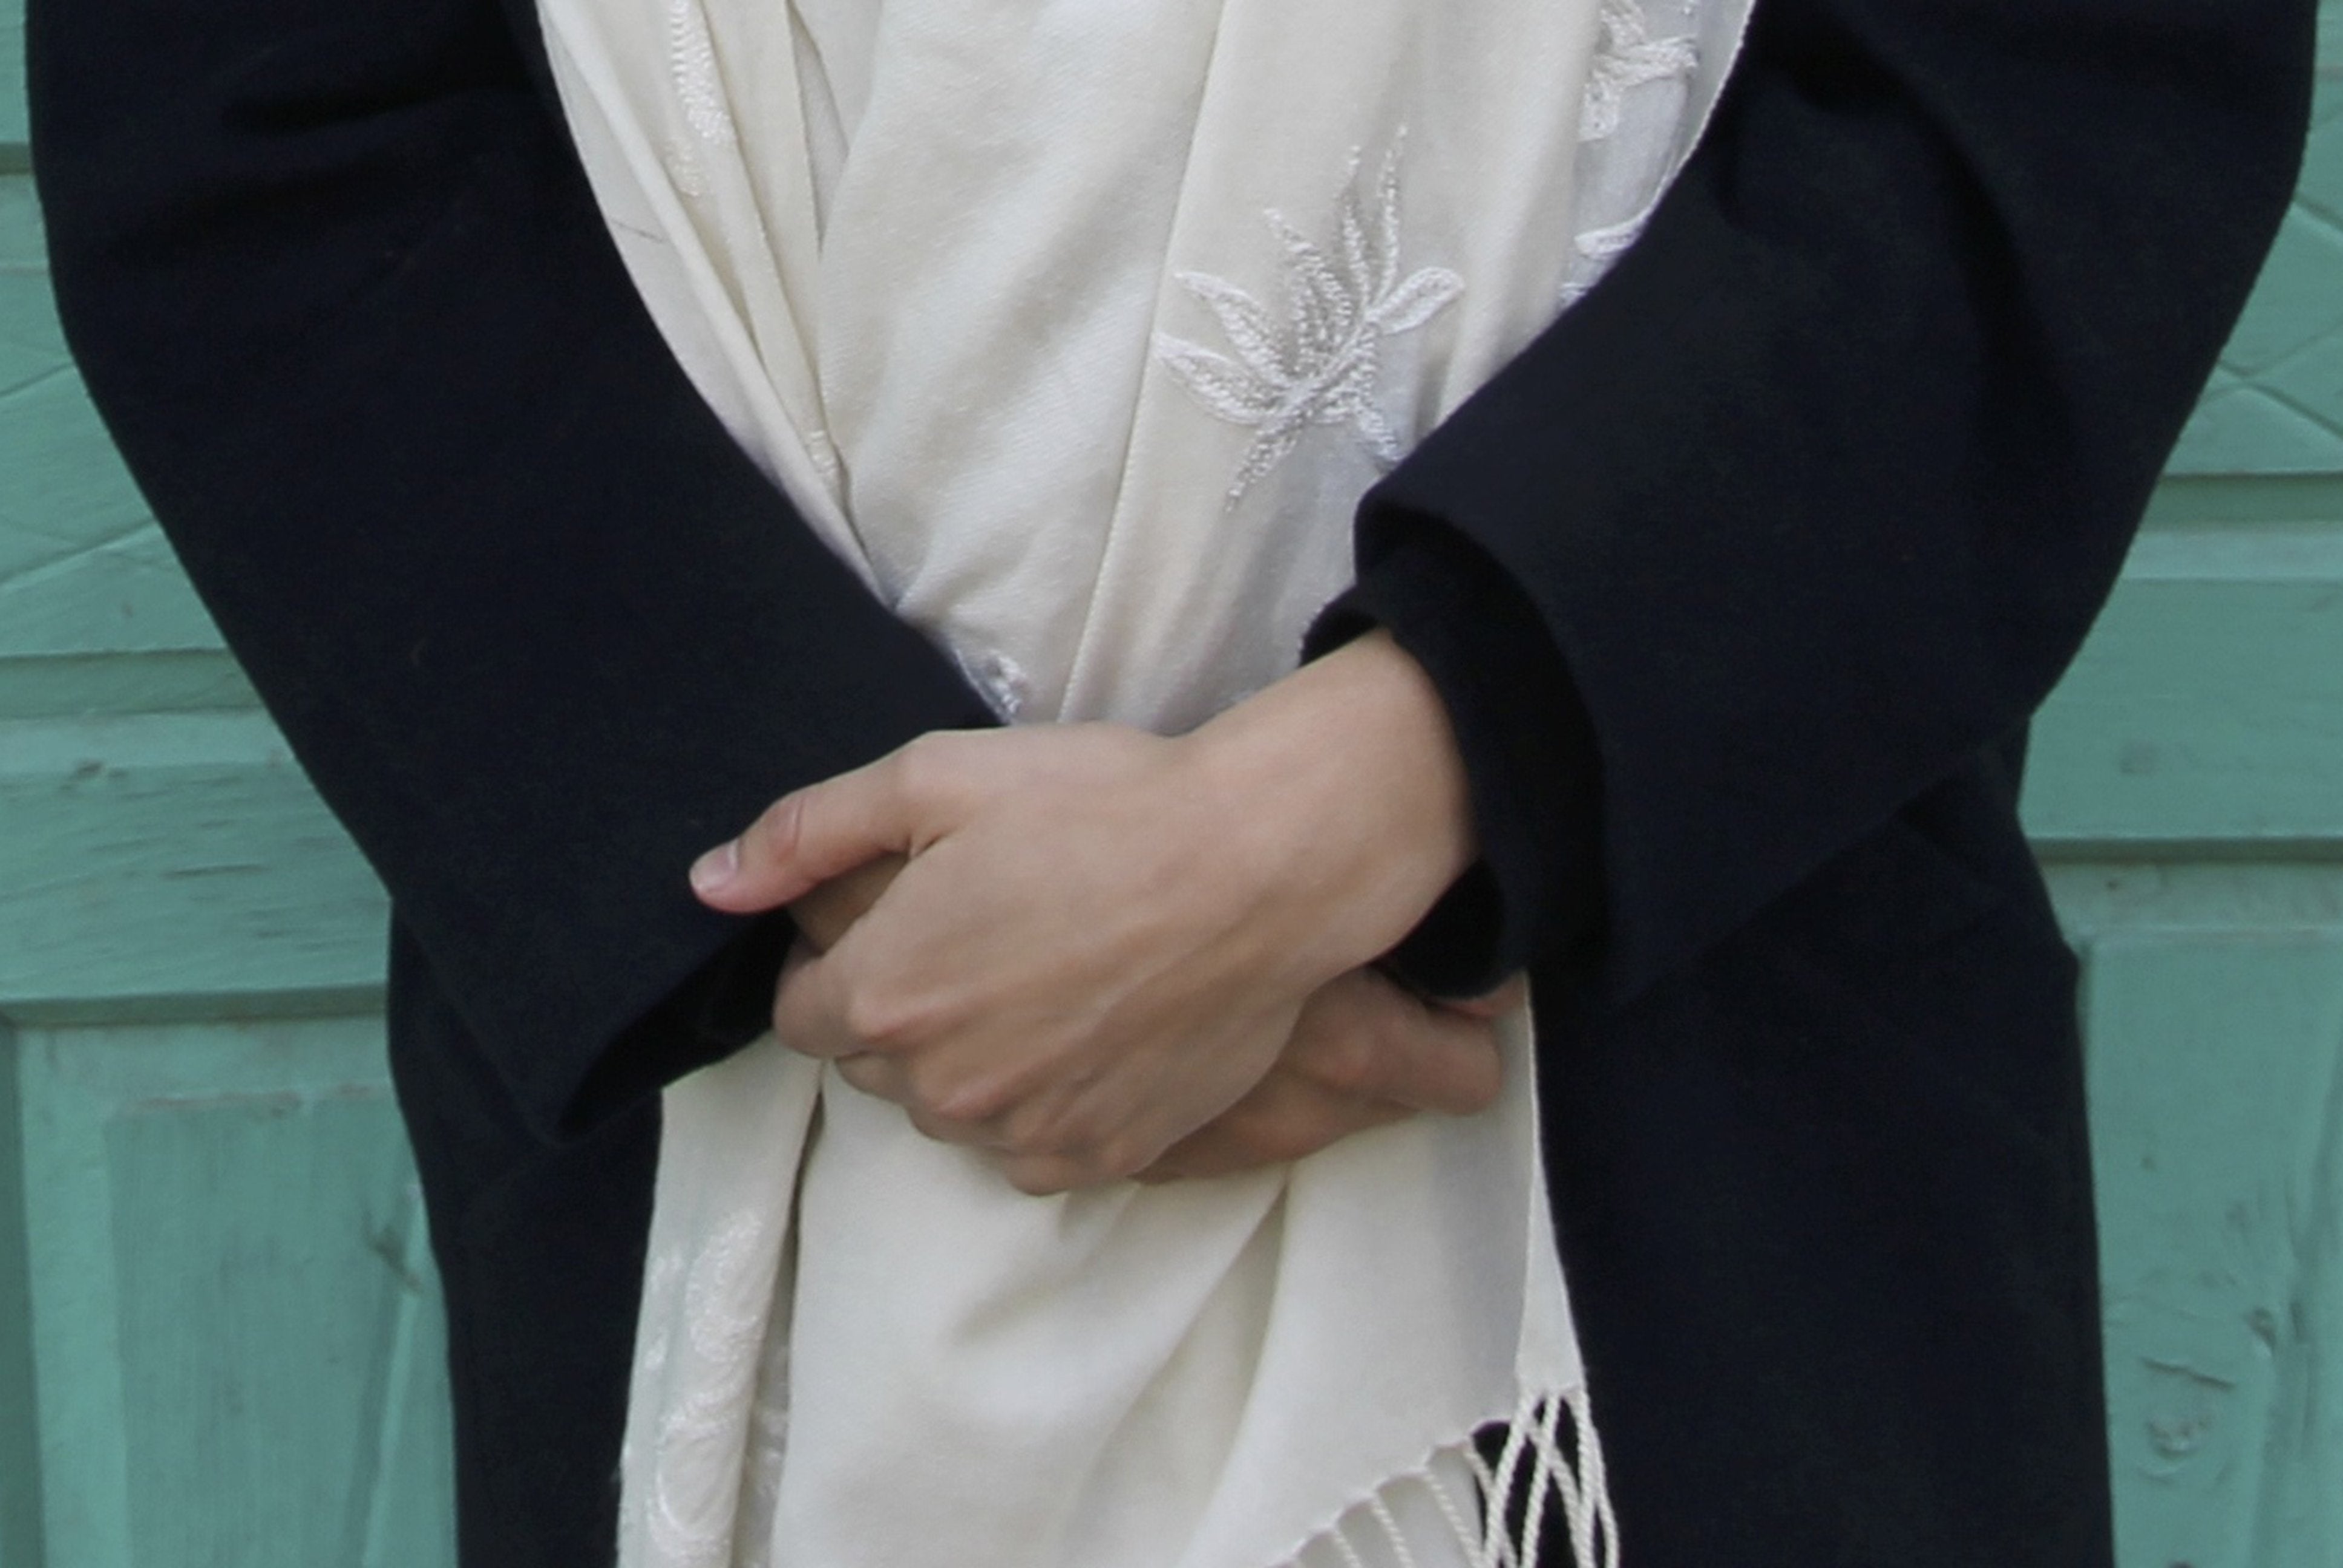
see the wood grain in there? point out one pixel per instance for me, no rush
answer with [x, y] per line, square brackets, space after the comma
[235, 1326]
[2214, 1003]
[12, 77]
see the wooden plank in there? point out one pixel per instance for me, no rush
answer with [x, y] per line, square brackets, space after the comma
[2184, 501]
[20, 1453]
[2214, 899]
[65, 490]
[76, 1361]
[62, 487]
[2215, 1011]
[149, 683]
[2322, 154]
[2295, 301]
[2206, 713]
[2217, 1095]
[112, 628]
[236, 1328]
[12, 74]
[2328, 106]
[2276, 406]
[82, 578]
[125, 595]
[31, 342]
[174, 865]
[410, 1508]
[2251, 430]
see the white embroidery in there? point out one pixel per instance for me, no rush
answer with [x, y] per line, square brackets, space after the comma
[1629, 56]
[824, 453]
[1611, 241]
[692, 61]
[769, 1438]
[1322, 366]
[1000, 679]
[691, 56]
[1598, 249]
[723, 1329]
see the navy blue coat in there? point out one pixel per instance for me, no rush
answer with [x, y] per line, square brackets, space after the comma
[1740, 585]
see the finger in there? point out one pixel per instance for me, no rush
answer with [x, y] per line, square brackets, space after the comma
[1046, 1175]
[1286, 1117]
[811, 1007]
[1214, 1151]
[885, 1078]
[830, 910]
[821, 831]
[878, 1076]
[1363, 1036]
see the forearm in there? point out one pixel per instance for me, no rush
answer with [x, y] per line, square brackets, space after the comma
[535, 627]
[1816, 493]
[1357, 791]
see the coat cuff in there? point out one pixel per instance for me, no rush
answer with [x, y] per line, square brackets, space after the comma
[724, 1004]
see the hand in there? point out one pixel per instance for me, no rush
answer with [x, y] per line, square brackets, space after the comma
[1365, 1053]
[1103, 939]
[825, 913]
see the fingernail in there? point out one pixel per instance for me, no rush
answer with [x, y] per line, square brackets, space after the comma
[716, 867]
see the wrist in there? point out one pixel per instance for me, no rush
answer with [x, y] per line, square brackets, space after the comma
[1351, 792]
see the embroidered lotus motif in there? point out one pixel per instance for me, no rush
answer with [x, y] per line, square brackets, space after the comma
[1628, 57]
[1320, 365]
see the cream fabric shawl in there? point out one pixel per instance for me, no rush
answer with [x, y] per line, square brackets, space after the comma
[1078, 326]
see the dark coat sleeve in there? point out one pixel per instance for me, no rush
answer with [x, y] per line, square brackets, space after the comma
[535, 625]
[1815, 495]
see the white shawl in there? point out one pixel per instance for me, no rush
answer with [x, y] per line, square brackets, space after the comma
[1078, 326]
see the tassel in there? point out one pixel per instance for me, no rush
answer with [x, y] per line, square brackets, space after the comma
[1536, 1477]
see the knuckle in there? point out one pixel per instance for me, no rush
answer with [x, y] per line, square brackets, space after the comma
[862, 1072]
[879, 1018]
[1349, 1062]
[1268, 1137]
[941, 776]
[1198, 1154]
[1118, 1158]
[775, 831]
[1039, 1176]
[1019, 1140]
[925, 765]
[1033, 1136]
[1291, 1139]
[936, 1129]
[969, 1102]
[914, 763]
[1482, 1081]
[1055, 1124]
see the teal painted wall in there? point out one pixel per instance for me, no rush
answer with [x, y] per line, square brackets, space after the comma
[2186, 794]
[220, 1341]
[219, 1336]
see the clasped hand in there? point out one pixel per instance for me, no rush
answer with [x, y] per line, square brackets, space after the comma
[1099, 953]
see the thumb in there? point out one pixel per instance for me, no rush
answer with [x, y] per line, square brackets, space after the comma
[809, 836]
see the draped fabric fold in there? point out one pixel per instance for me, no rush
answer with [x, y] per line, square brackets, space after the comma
[1079, 327]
